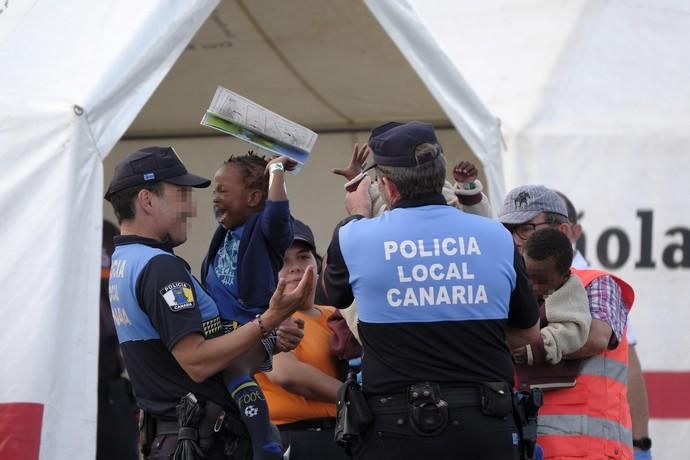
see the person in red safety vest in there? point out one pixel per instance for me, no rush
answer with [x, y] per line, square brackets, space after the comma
[592, 419]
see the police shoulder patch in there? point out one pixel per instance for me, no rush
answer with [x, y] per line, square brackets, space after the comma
[178, 296]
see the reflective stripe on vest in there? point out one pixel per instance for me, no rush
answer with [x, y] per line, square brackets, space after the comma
[591, 420]
[583, 425]
[601, 366]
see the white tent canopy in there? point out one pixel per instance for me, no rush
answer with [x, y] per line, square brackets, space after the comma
[591, 96]
[594, 101]
[74, 76]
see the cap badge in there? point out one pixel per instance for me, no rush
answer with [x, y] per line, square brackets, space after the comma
[521, 199]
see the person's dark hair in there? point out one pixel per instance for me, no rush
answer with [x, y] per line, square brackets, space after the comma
[423, 179]
[253, 169]
[572, 212]
[123, 201]
[550, 242]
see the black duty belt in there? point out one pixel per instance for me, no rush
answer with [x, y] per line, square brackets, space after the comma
[315, 424]
[399, 402]
[166, 427]
[229, 424]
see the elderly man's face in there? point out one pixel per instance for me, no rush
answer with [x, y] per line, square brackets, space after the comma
[521, 232]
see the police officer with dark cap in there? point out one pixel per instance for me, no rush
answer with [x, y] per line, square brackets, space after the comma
[441, 296]
[168, 327]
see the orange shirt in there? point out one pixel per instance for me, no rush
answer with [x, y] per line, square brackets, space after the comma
[286, 407]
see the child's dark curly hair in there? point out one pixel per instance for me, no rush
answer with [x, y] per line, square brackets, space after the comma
[550, 242]
[253, 169]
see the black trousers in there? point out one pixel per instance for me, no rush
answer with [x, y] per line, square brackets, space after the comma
[469, 435]
[164, 445]
[311, 444]
[117, 432]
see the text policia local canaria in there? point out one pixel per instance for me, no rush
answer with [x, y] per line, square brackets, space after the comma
[435, 292]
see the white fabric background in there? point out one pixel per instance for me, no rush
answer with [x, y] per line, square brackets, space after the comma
[74, 76]
[593, 101]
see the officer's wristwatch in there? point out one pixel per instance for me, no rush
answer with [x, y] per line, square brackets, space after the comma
[643, 443]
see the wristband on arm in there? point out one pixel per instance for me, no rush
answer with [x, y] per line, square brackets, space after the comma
[276, 167]
[468, 188]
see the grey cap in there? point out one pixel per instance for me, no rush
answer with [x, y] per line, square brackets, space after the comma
[524, 203]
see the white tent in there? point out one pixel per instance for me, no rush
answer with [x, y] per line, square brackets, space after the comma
[594, 101]
[74, 76]
[579, 83]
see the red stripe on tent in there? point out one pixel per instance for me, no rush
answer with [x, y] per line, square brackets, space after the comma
[20, 430]
[669, 395]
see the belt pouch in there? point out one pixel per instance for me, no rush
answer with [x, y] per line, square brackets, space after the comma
[428, 413]
[496, 398]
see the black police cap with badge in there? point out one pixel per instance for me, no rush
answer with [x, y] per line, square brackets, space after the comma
[395, 144]
[152, 164]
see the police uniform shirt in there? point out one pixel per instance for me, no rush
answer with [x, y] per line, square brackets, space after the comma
[156, 302]
[435, 290]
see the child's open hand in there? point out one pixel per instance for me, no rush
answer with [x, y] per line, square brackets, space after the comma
[359, 157]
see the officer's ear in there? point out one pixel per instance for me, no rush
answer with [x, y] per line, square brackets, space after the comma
[390, 189]
[144, 200]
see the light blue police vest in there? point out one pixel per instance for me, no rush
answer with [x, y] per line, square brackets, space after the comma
[429, 264]
[131, 321]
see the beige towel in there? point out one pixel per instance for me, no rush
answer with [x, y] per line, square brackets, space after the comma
[567, 311]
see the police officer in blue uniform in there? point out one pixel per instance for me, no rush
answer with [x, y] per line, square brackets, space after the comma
[167, 325]
[441, 296]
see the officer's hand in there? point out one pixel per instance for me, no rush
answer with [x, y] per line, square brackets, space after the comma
[283, 303]
[290, 333]
[359, 200]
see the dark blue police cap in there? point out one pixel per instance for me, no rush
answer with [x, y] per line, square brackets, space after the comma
[394, 144]
[152, 164]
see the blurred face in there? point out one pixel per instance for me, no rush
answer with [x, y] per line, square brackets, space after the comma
[297, 259]
[173, 209]
[231, 198]
[544, 277]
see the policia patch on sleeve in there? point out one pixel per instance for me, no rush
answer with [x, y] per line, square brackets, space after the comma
[178, 296]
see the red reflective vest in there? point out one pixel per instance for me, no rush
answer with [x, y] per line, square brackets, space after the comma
[592, 419]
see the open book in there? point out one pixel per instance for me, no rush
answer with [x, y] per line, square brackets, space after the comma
[235, 115]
